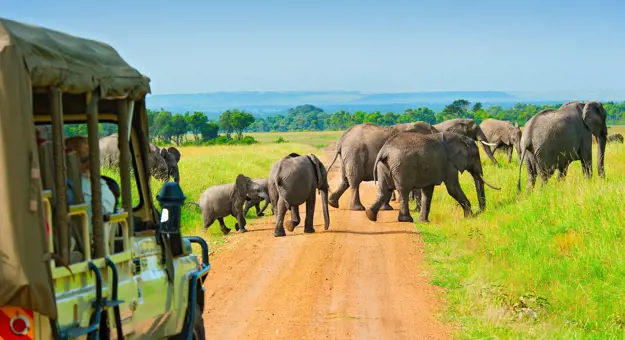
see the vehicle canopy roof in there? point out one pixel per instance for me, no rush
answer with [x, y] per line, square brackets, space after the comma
[33, 57]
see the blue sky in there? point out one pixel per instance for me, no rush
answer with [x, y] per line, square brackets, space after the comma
[369, 46]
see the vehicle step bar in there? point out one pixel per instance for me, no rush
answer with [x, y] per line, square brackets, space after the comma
[93, 329]
[113, 302]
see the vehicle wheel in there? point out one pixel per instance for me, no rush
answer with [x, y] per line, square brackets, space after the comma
[198, 325]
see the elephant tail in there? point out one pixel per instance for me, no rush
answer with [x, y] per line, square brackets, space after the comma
[518, 184]
[336, 155]
[380, 158]
[194, 203]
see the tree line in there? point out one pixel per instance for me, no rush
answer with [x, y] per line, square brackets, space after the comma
[196, 129]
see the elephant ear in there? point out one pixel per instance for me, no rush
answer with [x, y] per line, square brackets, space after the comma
[240, 185]
[505, 136]
[164, 153]
[457, 148]
[320, 175]
[594, 115]
[173, 151]
[516, 125]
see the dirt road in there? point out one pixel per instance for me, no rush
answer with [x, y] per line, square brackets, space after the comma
[357, 280]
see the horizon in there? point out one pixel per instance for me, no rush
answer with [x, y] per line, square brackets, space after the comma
[370, 48]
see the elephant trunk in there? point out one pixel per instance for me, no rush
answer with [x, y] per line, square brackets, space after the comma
[485, 145]
[479, 188]
[324, 205]
[176, 175]
[600, 154]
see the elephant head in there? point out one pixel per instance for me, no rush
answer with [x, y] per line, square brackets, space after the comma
[172, 163]
[469, 128]
[322, 187]
[594, 116]
[157, 166]
[245, 189]
[463, 155]
[172, 150]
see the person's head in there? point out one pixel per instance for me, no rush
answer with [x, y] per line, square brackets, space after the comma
[81, 146]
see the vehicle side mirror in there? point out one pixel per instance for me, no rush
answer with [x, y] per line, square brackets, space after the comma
[171, 200]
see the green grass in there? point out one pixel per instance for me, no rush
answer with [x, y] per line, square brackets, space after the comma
[548, 264]
[318, 139]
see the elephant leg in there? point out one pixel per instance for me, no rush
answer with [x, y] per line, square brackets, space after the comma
[225, 230]
[416, 194]
[404, 211]
[208, 221]
[585, 154]
[278, 230]
[248, 206]
[240, 224]
[545, 174]
[257, 207]
[387, 204]
[454, 190]
[355, 204]
[295, 219]
[509, 153]
[383, 195]
[426, 202]
[310, 213]
[333, 199]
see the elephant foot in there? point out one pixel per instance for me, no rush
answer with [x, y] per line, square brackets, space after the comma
[242, 230]
[386, 207]
[371, 215]
[309, 230]
[288, 225]
[260, 214]
[424, 220]
[225, 230]
[405, 218]
[357, 207]
[417, 209]
[236, 226]
[279, 233]
[333, 203]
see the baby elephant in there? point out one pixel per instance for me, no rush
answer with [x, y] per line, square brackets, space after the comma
[410, 161]
[292, 181]
[255, 202]
[219, 201]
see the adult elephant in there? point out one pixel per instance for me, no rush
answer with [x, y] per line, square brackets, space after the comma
[504, 135]
[468, 127]
[358, 147]
[554, 138]
[109, 157]
[411, 161]
[294, 180]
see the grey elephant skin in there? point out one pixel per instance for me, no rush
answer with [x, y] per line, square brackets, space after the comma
[411, 160]
[255, 202]
[469, 128]
[222, 200]
[171, 156]
[504, 135]
[109, 157]
[294, 180]
[554, 138]
[357, 148]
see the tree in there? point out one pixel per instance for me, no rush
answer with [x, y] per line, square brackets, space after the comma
[225, 123]
[239, 121]
[209, 131]
[476, 107]
[179, 128]
[196, 123]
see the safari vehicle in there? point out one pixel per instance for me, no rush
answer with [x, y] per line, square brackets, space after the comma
[137, 277]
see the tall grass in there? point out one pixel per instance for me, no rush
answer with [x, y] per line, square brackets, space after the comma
[546, 264]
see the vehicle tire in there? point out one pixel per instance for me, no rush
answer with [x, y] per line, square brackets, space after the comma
[198, 325]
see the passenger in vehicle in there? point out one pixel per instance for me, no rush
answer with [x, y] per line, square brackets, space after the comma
[81, 146]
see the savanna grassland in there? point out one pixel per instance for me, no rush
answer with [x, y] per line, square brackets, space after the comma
[546, 264]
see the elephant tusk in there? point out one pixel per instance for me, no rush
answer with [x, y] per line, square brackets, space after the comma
[490, 185]
[489, 144]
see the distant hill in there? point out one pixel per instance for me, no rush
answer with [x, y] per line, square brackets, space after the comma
[271, 103]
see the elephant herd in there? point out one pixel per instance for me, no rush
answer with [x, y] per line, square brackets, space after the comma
[412, 159]
[162, 163]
